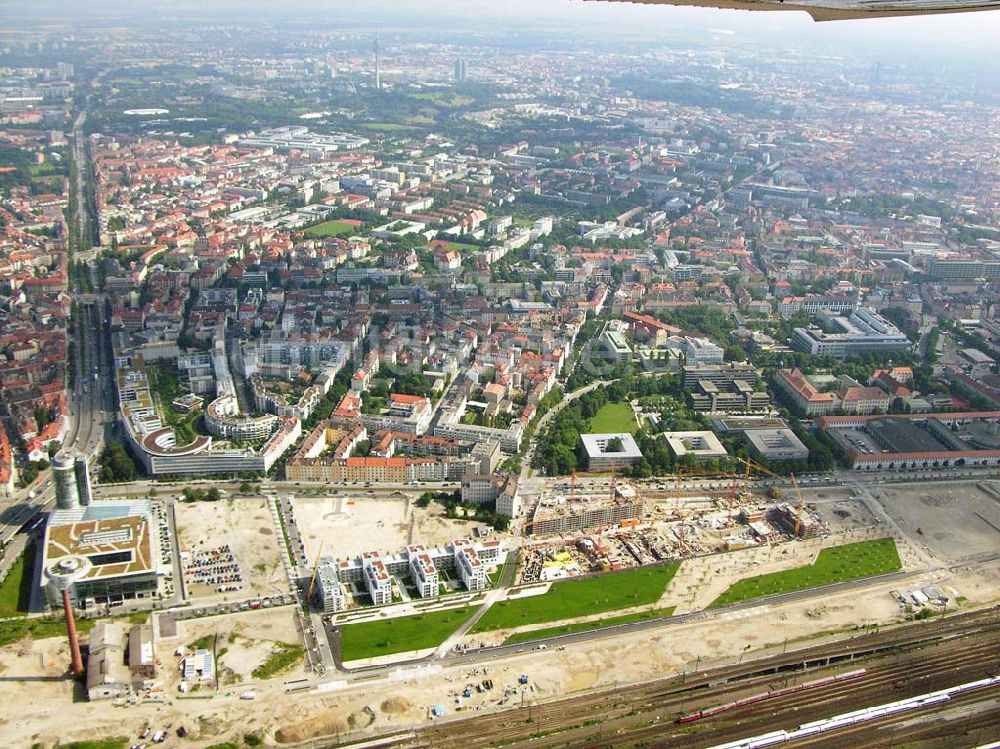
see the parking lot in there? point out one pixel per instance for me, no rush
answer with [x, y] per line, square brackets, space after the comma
[245, 528]
[213, 568]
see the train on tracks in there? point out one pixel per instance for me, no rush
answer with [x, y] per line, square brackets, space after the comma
[709, 712]
[857, 716]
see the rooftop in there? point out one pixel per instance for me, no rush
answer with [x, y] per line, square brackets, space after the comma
[596, 445]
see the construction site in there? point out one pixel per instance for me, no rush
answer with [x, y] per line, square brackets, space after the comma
[601, 524]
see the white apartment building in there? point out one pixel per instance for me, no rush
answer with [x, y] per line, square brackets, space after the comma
[330, 591]
[470, 566]
[377, 579]
[423, 571]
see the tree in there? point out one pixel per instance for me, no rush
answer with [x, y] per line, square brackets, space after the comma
[116, 464]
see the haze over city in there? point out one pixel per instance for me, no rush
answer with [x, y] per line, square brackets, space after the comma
[531, 374]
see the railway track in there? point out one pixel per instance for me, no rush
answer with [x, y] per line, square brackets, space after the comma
[904, 662]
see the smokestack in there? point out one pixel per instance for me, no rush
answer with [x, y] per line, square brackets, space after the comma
[74, 638]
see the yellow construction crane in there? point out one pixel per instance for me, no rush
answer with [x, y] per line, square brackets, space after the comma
[795, 485]
[312, 581]
[802, 502]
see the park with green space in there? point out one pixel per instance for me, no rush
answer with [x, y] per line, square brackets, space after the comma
[459, 247]
[574, 598]
[331, 229]
[614, 417]
[371, 639]
[566, 629]
[833, 565]
[15, 590]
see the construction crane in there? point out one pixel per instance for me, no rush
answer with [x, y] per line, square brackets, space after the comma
[312, 581]
[802, 502]
[795, 485]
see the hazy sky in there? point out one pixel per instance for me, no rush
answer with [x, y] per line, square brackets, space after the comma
[961, 33]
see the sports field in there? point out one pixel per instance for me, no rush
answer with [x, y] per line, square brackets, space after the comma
[399, 635]
[573, 598]
[331, 229]
[833, 565]
[614, 417]
[458, 246]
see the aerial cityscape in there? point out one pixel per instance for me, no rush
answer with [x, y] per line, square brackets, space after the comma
[470, 375]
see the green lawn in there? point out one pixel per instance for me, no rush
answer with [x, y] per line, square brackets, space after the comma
[497, 576]
[614, 417]
[565, 629]
[398, 635]
[112, 743]
[15, 590]
[573, 598]
[331, 229]
[13, 630]
[385, 127]
[833, 565]
[462, 247]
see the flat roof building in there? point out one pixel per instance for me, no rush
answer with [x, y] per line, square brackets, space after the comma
[702, 445]
[775, 444]
[610, 451]
[330, 594]
[863, 330]
[103, 553]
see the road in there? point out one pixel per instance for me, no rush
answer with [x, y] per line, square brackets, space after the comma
[89, 402]
[83, 222]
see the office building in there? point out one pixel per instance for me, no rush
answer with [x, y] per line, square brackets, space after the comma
[606, 452]
[861, 331]
[775, 444]
[106, 552]
[71, 478]
[702, 445]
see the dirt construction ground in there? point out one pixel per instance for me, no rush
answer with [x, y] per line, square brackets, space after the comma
[348, 526]
[404, 697]
[42, 707]
[929, 514]
[246, 525]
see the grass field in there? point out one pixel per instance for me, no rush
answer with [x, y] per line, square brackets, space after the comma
[112, 743]
[15, 590]
[385, 127]
[573, 598]
[13, 630]
[443, 99]
[461, 247]
[614, 417]
[833, 565]
[388, 636]
[565, 629]
[330, 229]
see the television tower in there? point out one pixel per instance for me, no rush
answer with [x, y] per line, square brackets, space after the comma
[378, 72]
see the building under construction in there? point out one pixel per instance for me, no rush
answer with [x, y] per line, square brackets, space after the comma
[576, 513]
[793, 522]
